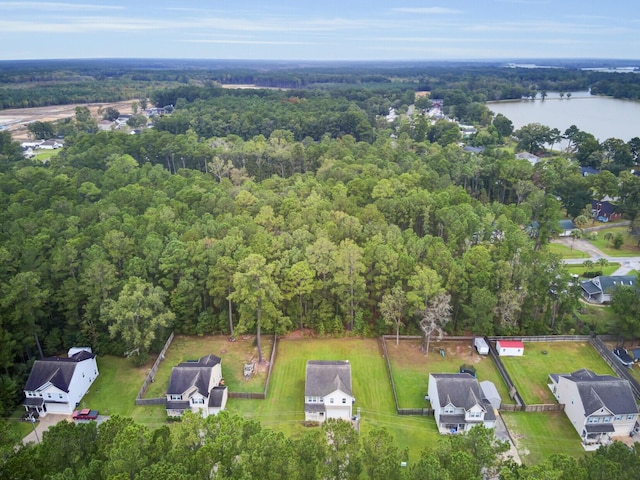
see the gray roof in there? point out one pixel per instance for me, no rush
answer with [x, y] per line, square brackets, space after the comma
[603, 391]
[314, 407]
[489, 390]
[192, 373]
[324, 377]
[216, 395]
[459, 389]
[57, 370]
[567, 224]
[608, 283]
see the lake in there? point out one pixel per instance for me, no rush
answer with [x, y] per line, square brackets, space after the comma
[604, 117]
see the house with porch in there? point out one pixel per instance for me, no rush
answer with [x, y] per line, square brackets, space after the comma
[57, 384]
[197, 386]
[327, 391]
[458, 403]
[600, 289]
[598, 406]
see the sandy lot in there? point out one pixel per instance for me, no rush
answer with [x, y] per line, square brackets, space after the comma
[16, 119]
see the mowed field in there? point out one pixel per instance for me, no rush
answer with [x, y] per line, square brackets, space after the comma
[283, 409]
[411, 368]
[530, 373]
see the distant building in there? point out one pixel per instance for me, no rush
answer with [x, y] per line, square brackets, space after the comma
[531, 158]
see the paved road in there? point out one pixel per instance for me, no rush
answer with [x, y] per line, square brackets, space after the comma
[626, 263]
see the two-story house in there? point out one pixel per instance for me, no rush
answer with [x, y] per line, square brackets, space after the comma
[598, 406]
[195, 385]
[327, 391]
[57, 384]
[458, 404]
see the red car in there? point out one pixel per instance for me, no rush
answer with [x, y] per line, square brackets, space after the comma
[85, 414]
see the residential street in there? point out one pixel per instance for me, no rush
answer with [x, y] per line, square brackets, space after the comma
[626, 263]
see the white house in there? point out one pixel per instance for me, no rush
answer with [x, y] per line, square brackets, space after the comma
[458, 403]
[598, 406]
[510, 348]
[327, 391]
[57, 384]
[51, 144]
[195, 385]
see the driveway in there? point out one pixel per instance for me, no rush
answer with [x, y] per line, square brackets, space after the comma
[501, 433]
[52, 419]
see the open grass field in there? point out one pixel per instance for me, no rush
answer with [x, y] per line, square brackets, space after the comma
[530, 373]
[411, 368]
[566, 252]
[629, 247]
[283, 409]
[538, 435]
[233, 354]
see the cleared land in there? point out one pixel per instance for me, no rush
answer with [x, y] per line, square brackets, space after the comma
[283, 409]
[233, 354]
[538, 435]
[530, 373]
[411, 368]
[566, 252]
[628, 249]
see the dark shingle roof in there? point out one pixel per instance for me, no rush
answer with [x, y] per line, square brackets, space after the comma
[324, 377]
[607, 283]
[192, 374]
[57, 370]
[603, 391]
[458, 389]
[216, 395]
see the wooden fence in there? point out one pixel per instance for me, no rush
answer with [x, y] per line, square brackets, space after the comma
[414, 411]
[152, 373]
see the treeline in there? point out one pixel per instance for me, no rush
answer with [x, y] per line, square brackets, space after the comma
[228, 447]
[31, 83]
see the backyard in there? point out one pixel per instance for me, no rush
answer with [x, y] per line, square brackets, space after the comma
[411, 368]
[284, 407]
[566, 252]
[234, 355]
[538, 435]
[530, 373]
[628, 249]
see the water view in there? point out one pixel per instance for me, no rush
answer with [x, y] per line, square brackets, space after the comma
[604, 117]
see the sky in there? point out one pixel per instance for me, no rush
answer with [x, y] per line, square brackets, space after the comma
[320, 29]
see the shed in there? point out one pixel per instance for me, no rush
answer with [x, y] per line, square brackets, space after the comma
[510, 348]
[490, 392]
[481, 345]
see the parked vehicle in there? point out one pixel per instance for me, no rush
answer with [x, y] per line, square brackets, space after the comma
[623, 356]
[85, 414]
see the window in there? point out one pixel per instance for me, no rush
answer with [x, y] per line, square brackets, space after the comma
[59, 395]
[331, 401]
[448, 409]
[344, 400]
[618, 417]
[175, 397]
[197, 401]
[606, 420]
[48, 395]
[474, 414]
[593, 420]
[630, 417]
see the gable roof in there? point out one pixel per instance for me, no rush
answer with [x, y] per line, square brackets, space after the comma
[55, 370]
[567, 224]
[603, 207]
[458, 389]
[607, 283]
[603, 391]
[192, 374]
[324, 377]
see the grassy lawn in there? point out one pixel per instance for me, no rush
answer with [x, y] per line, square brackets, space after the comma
[538, 435]
[530, 373]
[42, 156]
[115, 390]
[629, 247]
[580, 269]
[19, 429]
[411, 368]
[283, 409]
[234, 355]
[566, 252]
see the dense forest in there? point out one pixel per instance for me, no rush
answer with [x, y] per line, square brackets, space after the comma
[273, 210]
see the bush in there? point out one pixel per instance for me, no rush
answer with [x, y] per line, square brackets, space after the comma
[618, 241]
